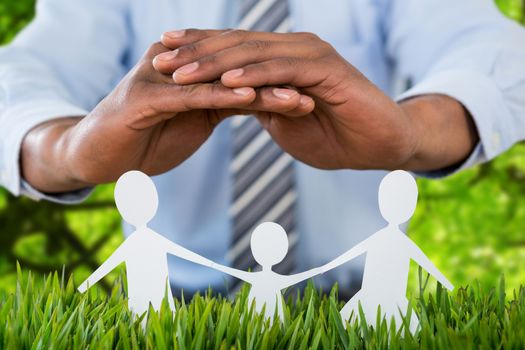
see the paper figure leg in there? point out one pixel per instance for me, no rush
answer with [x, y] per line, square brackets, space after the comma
[414, 320]
[171, 303]
[414, 323]
[351, 306]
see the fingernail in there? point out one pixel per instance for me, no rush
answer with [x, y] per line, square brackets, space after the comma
[305, 100]
[167, 56]
[175, 34]
[284, 94]
[235, 73]
[187, 69]
[245, 91]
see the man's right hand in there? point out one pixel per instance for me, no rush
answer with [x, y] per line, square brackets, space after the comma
[147, 123]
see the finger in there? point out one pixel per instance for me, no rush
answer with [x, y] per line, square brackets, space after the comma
[203, 43]
[154, 50]
[293, 71]
[172, 98]
[211, 67]
[145, 70]
[284, 101]
[268, 100]
[176, 38]
[172, 40]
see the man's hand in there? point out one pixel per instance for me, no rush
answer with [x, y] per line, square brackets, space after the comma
[353, 124]
[148, 122]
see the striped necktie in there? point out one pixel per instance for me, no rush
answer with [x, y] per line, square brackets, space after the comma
[263, 176]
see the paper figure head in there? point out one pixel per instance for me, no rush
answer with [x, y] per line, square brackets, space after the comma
[269, 244]
[136, 198]
[397, 197]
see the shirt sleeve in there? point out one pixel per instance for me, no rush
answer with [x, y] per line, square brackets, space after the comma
[62, 64]
[469, 51]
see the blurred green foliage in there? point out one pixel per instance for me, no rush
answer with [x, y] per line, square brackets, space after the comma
[515, 9]
[14, 15]
[471, 224]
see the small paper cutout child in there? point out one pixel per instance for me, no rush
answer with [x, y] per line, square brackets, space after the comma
[269, 245]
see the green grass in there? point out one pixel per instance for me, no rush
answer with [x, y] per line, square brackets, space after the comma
[470, 224]
[51, 314]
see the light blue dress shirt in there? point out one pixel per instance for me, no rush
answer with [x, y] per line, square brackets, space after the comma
[75, 51]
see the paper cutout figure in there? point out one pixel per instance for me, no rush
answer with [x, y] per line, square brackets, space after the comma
[388, 255]
[144, 251]
[269, 245]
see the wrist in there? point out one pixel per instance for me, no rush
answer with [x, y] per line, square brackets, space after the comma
[415, 137]
[398, 143]
[443, 133]
[43, 161]
[71, 163]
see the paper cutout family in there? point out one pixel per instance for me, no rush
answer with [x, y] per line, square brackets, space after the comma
[388, 254]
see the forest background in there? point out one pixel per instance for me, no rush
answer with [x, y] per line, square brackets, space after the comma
[472, 225]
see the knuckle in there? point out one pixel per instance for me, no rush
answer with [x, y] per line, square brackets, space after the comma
[190, 91]
[155, 46]
[291, 61]
[141, 70]
[326, 46]
[257, 45]
[193, 92]
[236, 33]
[190, 49]
[308, 36]
[313, 36]
[154, 49]
[214, 90]
[195, 95]
[188, 95]
[208, 60]
[191, 31]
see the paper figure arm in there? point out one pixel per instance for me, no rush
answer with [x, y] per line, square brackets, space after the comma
[242, 275]
[353, 253]
[299, 277]
[418, 256]
[118, 256]
[183, 253]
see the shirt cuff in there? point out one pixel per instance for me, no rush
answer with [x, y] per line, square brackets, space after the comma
[485, 103]
[73, 197]
[16, 122]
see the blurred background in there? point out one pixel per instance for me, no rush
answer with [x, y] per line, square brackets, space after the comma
[472, 225]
